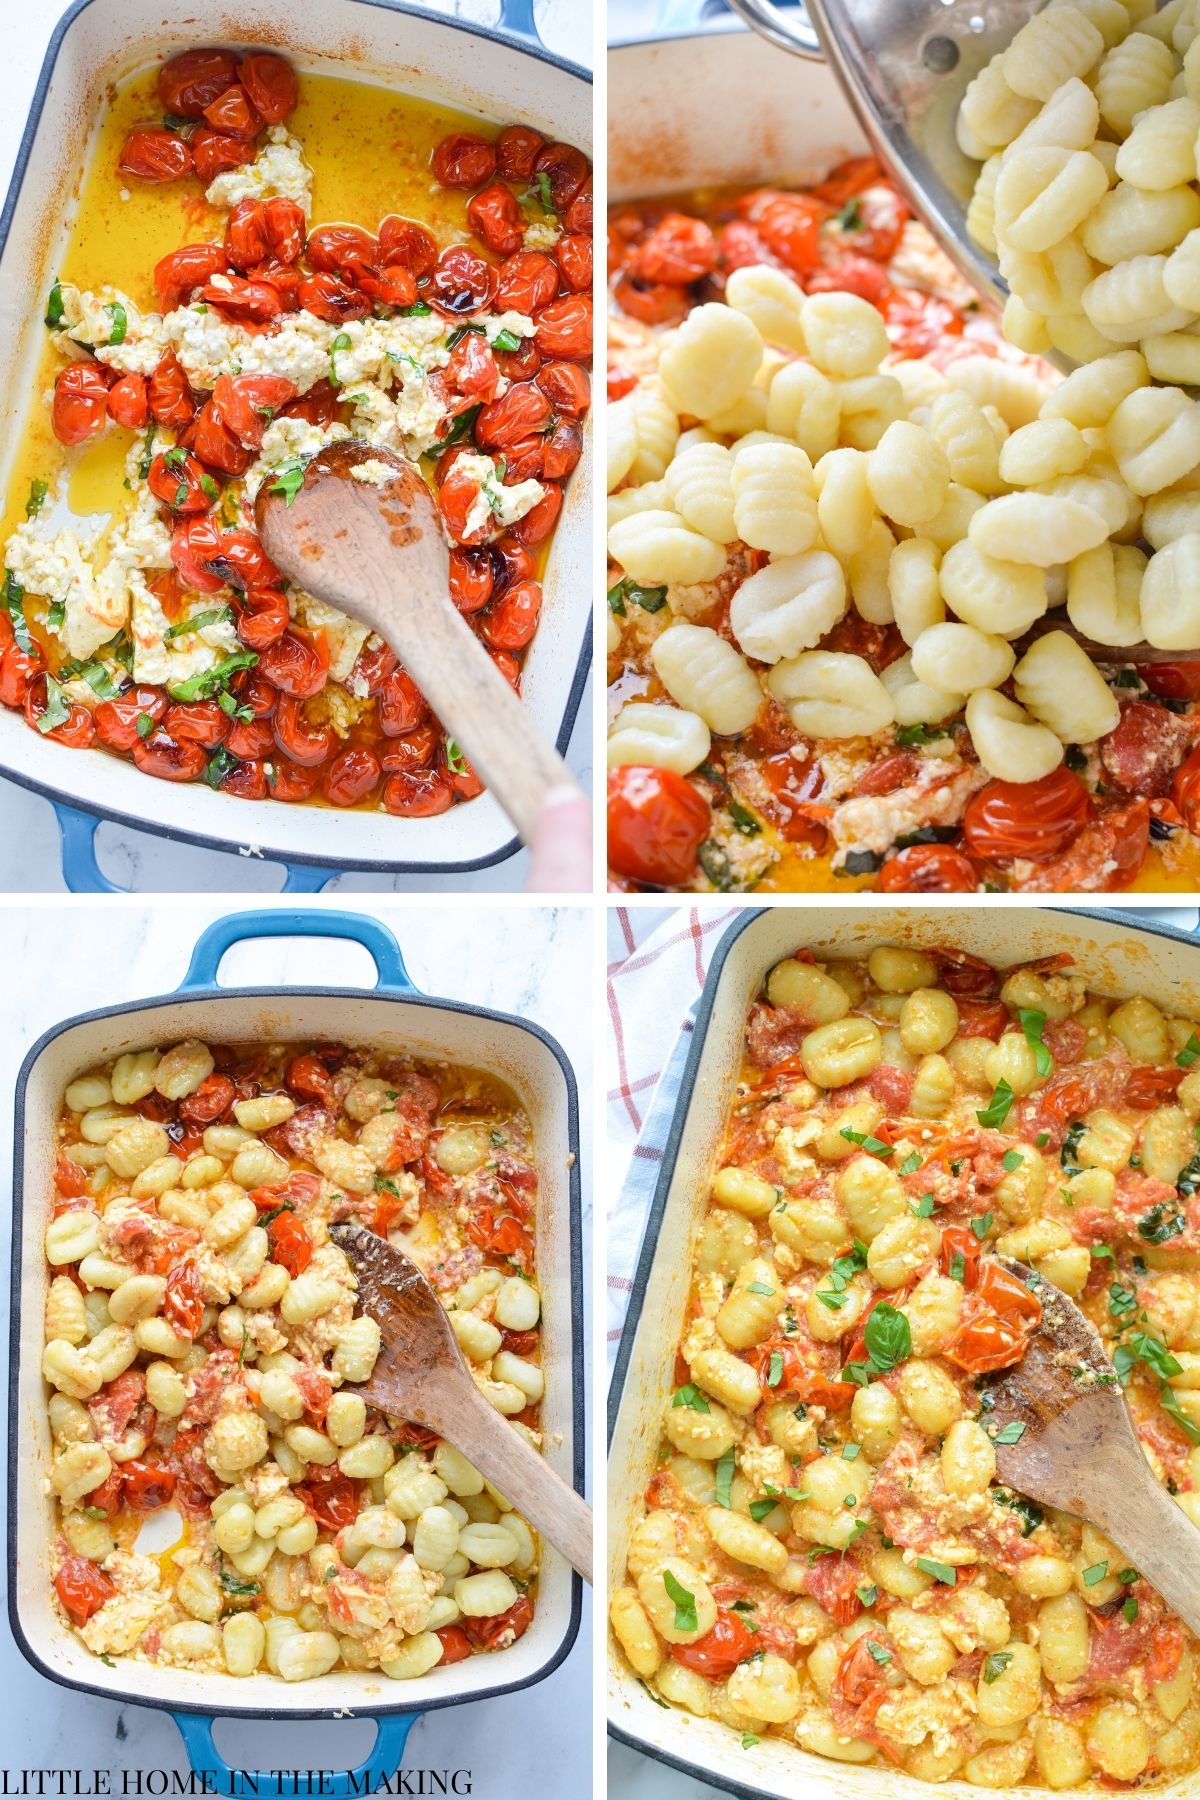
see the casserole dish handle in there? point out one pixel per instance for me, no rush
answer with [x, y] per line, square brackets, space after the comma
[517, 18]
[82, 873]
[375, 938]
[196, 1730]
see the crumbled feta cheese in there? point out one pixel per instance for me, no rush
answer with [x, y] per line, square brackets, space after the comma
[58, 569]
[163, 660]
[287, 440]
[372, 472]
[279, 170]
[344, 636]
[495, 324]
[496, 505]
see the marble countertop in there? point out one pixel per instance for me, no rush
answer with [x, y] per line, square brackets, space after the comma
[535, 963]
[29, 842]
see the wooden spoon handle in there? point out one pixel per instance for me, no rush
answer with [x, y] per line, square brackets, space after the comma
[1119, 655]
[1159, 1539]
[465, 1419]
[466, 690]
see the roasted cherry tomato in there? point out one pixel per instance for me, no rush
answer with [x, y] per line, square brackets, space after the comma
[463, 160]
[522, 410]
[296, 663]
[215, 151]
[417, 793]
[197, 722]
[717, 1654]
[351, 776]
[499, 1630]
[292, 781]
[80, 406]
[959, 1254]
[308, 1076]
[1173, 680]
[305, 744]
[147, 1488]
[526, 282]
[511, 621]
[193, 80]
[677, 251]
[155, 156]
[495, 217]
[656, 824]
[246, 404]
[928, 869]
[1185, 791]
[535, 526]
[402, 706]
[291, 1245]
[566, 386]
[169, 397]
[565, 168]
[177, 478]
[564, 328]
[263, 617]
[127, 402]
[76, 731]
[82, 1588]
[790, 225]
[343, 250]
[461, 282]
[17, 669]
[168, 758]
[330, 1496]
[471, 579]
[455, 1644]
[245, 302]
[408, 243]
[210, 1101]
[234, 113]
[1146, 1089]
[517, 150]
[1032, 819]
[332, 300]
[183, 1302]
[271, 83]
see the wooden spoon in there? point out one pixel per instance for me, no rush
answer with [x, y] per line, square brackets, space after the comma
[1115, 655]
[376, 550]
[1079, 1452]
[421, 1376]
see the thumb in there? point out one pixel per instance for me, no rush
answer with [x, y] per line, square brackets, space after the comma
[561, 848]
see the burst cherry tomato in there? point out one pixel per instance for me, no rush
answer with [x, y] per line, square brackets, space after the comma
[147, 1488]
[463, 160]
[245, 302]
[1146, 1089]
[658, 304]
[17, 669]
[215, 444]
[155, 156]
[80, 406]
[183, 1302]
[960, 1251]
[305, 744]
[564, 328]
[243, 563]
[193, 80]
[82, 1588]
[271, 83]
[678, 251]
[215, 151]
[526, 282]
[262, 617]
[210, 1101]
[417, 793]
[250, 739]
[461, 282]
[522, 410]
[292, 782]
[296, 664]
[291, 1245]
[127, 402]
[1185, 791]
[537, 524]
[1173, 680]
[169, 396]
[1026, 818]
[790, 225]
[717, 1654]
[197, 722]
[455, 1644]
[342, 250]
[471, 579]
[177, 477]
[495, 217]
[246, 404]
[501, 1628]
[234, 114]
[351, 776]
[406, 242]
[656, 824]
[330, 1496]
[308, 1077]
[928, 869]
[567, 387]
[168, 759]
[402, 706]
[566, 169]
[517, 149]
[332, 300]
[512, 620]
[76, 730]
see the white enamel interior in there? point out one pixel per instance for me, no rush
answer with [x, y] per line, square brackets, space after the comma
[411, 54]
[1116, 958]
[498, 1046]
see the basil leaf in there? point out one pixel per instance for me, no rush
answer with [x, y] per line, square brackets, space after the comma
[982, 1225]
[289, 479]
[692, 1398]
[850, 217]
[120, 322]
[1094, 1574]
[717, 866]
[1191, 1050]
[911, 1164]
[219, 765]
[37, 493]
[724, 1476]
[760, 1508]
[685, 1603]
[743, 820]
[201, 686]
[340, 342]
[1012, 1159]
[145, 726]
[887, 1337]
[775, 1369]
[12, 594]
[54, 306]
[924, 1206]
[420, 309]
[878, 1652]
[872, 1145]
[506, 340]
[1159, 1225]
[1033, 1023]
[650, 599]
[1011, 1433]
[184, 627]
[909, 736]
[456, 762]
[461, 427]
[57, 711]
[993, 1115]
[940, 1571]
[995, 1663]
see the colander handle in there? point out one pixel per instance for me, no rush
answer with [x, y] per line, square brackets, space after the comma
[792, 30]
[82, 873]
[196, 1730]
[517, 18]
[375, 938]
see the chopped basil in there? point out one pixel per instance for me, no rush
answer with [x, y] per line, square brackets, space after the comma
[184, 627]
[1121, 1301]
[456, 762]
[993, 1115]
[1042, 1139]
[924, 1206]
[861, 862]
[541, 193]
[911, 1164]
[850, 1451]
[420, 309]
[692, 1398]
[995, 1663]
[120, 323]
[1129, 1609]
[1169, 1402]
[841, 1271]
[1030, 1514]
[209, 488]
[909, 736]
[96, 676]
[760, 1508]
[56, 612]
[759, 1287]
[940, 1571]
[220, 764]
[506, 340]
[743, 820]
[1071, 1142]
[340, 342]
[650, 599]
[958, 1268]
[1191, 1050]
[37, 494]
[878, 1652]
[982, 1225]
[685, 1603]
[872, 1145]
[284, 1206]
[1012, 1433]
[775, 1369]
[1159, 1224]
[206, 683]
[147, 453]
[868, 1595]
[888, 1341]
[749, 1740]
[12, 595]
[54, 306]
[1012, 1159]
[1033, 1023]
[795, 1494]
[461, 427]
[289, 479]
[724, 1476]
[717, 866]
[57, 710]
[616, 600]
[1094, 1574]
[145, 726]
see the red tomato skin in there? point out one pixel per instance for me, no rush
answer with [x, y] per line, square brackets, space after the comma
[331, 299]
[564, 328]
[292, 782]
[656, 824]
[409, 243]
[191, 81]
[1030, 818]
[169, 396]
[676, 252]
[17, 669]
[928, 869]
[197, 722]
[155, 156]
[463, 160]
[526, 282]
[76, 731]
[417, 794]
[517, 149]
[82, 1588]
[461, 282]
[512, 620]
[295, 666]
[306, 745]
[567, 170]
[127, 402]
[495, 217]
[215, 151]
[168, 759]
[566, 386]
[234, 113]
[80, 406]
[351, 776]
[1173, 680]
[271, 83]
[537, 524]
[718, 1653]
[263, 617]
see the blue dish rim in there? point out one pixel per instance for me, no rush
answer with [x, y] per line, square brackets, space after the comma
[232, 846]
[1134, 920]
[181, 999]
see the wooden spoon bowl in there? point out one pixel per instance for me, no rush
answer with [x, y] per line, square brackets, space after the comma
[1077, 1449]
[363, 533]
[421, 1376]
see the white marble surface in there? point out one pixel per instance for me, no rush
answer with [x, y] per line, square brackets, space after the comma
[29, 845]
[535, 963]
